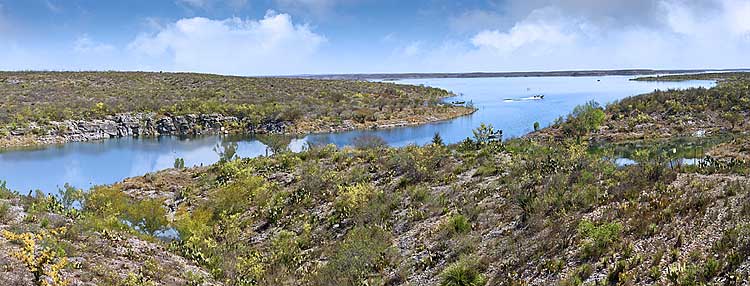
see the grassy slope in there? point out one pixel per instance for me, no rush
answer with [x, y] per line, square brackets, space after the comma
[521, 213]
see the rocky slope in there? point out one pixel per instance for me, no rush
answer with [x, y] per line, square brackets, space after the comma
[91, 257]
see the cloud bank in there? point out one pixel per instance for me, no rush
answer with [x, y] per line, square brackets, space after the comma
[582, 34]
[272, 45]
[361, 36]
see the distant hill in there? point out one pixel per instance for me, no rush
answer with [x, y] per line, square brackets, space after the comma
[398, 76]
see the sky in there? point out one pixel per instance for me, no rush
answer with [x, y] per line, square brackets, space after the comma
[289, 37]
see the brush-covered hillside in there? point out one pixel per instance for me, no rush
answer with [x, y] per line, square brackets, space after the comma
[58, 107]
[570, 205]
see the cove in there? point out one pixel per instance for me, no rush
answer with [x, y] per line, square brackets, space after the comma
[503, 102]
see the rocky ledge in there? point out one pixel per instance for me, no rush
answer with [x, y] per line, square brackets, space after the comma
[152, 124]
[136, 125]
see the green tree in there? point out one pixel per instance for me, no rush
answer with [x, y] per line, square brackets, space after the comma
[148, 215]
[105, 201]
[585, 118]
[179, 163]
[484, 133]
[437, 139]
[69, 195]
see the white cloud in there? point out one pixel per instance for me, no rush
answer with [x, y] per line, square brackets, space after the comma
[738, 16]
[84, 44]
[270, 45]
[569, 35]
[541, 31]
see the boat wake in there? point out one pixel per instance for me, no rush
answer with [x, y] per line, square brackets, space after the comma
[535, 97]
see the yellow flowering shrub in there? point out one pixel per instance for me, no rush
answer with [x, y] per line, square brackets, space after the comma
[351, 198]
[40, 260]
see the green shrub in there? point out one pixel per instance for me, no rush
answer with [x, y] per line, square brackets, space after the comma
[596, 239]
[286, 249]
[5, 193]
[226, 150]
[486, 170]
[484, 133]
[70, 195]
[236, 197]
[351, 198]
[419, 194]
[46, 203]
[462, 273]
[148, 215]
[579, 275]
[275, 142]
[5, 214]
[108, 208]
[195, 224]
[104, 201]
[359, 259]
[179, 163]
[584, 119]
[458, 224]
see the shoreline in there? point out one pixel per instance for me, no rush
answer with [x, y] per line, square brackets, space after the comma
[145, 125]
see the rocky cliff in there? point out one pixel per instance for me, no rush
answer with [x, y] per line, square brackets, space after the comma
[143, 124]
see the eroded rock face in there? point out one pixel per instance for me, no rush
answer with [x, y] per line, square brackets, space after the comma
[145, 124]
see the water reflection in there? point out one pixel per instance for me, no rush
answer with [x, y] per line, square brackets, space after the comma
[86, 164]
[675, 152]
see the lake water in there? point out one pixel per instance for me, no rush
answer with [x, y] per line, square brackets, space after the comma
[502, 102]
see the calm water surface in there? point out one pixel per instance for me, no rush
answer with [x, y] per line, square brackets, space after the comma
[502, 102]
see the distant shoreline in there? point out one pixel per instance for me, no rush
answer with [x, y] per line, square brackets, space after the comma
[578, 73]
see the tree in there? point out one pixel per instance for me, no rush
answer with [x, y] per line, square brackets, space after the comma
[485, 133]
[437, 140]
[179, 163]
[585, 118]
[69, 195]
[536, 126]
[148, 215]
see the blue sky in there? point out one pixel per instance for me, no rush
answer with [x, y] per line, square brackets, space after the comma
[270, 37]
